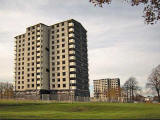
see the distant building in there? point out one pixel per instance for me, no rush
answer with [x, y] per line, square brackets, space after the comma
[105, 89]
[52, 59]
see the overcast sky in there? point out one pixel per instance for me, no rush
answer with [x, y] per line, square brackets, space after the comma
[119, 43]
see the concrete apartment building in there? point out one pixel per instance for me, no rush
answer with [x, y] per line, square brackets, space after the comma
[106, 88]
[52, 60]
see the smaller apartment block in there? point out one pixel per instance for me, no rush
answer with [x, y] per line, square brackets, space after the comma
[105, 89]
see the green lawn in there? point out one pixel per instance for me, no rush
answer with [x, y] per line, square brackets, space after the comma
[51, 110]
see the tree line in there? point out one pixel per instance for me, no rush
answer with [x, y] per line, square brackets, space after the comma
[132, 89]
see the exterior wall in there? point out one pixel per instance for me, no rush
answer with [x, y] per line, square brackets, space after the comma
[19, 62]
[53, 58]
[81, 59]
[69, 39]
[45, 58]
[34, 44]
[59, 58]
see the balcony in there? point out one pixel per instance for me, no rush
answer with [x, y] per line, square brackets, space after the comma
[72, 58]
[73, 87]
[38, 43]
[71, 35]
[72, 69]
[38, 33]
[38, 59]
[71, 46]
[72, 52]
[71, 24]
[38, 54]
[38, 28]
[38, 38]
[72, 75]
[71, 30]
[38, 65]
[71, 41]
[72, 81]
[72, 63]
[38, 76]
[38, 49]
[38, 87]
[38, 82]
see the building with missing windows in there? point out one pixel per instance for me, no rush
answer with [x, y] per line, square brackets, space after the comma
[52, 60]
[107, 89]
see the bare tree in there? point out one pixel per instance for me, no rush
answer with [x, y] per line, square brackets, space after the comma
[131, 87]
[151, 8]
[154, 81]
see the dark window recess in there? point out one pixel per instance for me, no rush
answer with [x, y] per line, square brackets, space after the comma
[64, 79]
[38, 73]
[28, 29]
[63, 45]
[63, 40]
[53, 74]
[63, 51]
[58, 68]
[58, 63]
[47, 49]
[53, 69]
[47, 70]
[63, 56]
[64, 73]
[64, 85]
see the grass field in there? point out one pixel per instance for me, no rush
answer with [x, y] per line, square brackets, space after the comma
[51, 110]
